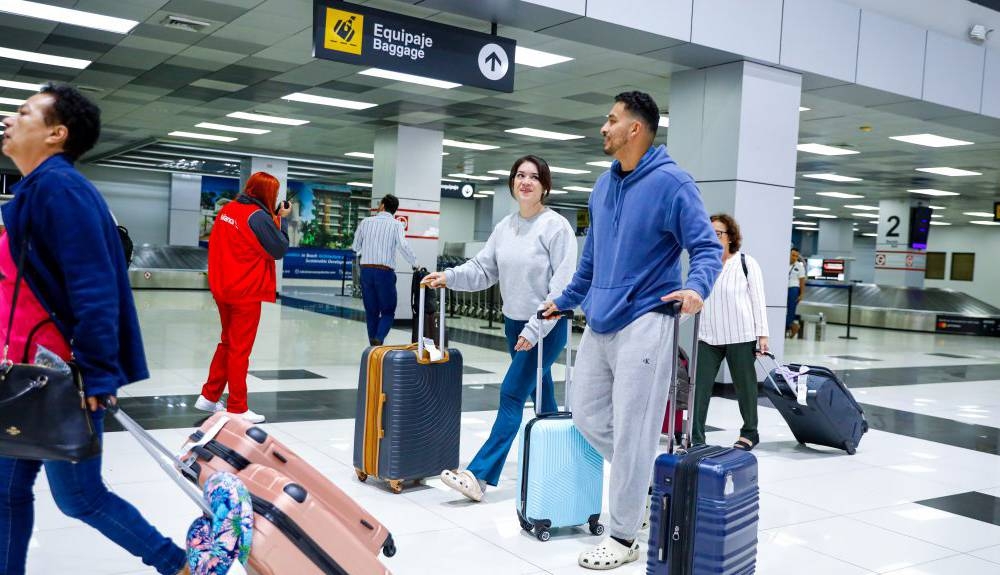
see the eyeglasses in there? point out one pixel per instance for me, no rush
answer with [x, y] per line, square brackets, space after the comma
[720, 234]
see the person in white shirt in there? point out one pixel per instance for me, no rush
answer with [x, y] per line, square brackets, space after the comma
[376, 241]
[796, 289]
[733, 324]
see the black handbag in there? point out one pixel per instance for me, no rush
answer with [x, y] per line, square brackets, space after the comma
[43, 411]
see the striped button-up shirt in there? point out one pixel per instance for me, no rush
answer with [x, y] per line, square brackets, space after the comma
[377, 239]
[734, 312]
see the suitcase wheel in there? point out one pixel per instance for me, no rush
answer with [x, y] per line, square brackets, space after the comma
[389, 547]
[524, 524]
[596, 529]
[396, 485]
[850, 448]
[542, 534]
[362, 476]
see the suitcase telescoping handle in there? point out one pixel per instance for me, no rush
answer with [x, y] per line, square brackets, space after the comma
[767, 371]
[179, 471]
[420, 320]
[540, 372]
[692, 372]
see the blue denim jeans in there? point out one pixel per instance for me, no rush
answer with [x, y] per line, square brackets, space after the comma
[378, 293]
[518, 385]
[80, 493]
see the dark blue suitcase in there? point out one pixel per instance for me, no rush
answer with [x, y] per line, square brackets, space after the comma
[705, 502]
[409, 412]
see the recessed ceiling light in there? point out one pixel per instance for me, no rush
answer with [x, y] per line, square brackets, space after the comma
[267, 119]
[487, 192]
[979, 214]
[20, 85]
[984, 223]
[365, 155]
[825, 216]
[472, 177]
[537, 58]
[811, 208]
[824, 150]
[600, 164]
[953, 172]
[861, 207]
[870, 235]
[499, 172]
[804, 109]
[5, 113]
[68, 16]
[558, 192]
[467, 145]
[805, 229]
[937, 207]
[11, 101]
[37, 58]
[796, 198]
[933, 192]
[840, 195]
[400, 77]
[802, 223]
[864, 215]
[940, 224]
[202, 136]
[556, 170]
[832, 177]
[577, 189]
[664, 122]
[931, 141]
[324, 101]
[359, 184]
[225, 128]
[445, 153]
[533, 133]
[450, 180]
[936, 216]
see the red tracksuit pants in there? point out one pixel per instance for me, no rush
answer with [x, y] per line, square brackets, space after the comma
[232, 356]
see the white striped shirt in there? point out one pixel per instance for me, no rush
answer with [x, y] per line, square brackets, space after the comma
[734, 312]
[377, 239]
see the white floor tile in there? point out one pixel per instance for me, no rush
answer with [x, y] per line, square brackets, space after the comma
[990, 554]
[964, 564]
[934, 526]
[782, 554]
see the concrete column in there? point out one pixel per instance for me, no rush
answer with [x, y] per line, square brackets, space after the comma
[734, 127]
[185, 209]
[278, 169]
[408, 165]
[504, 204]
[896, 264]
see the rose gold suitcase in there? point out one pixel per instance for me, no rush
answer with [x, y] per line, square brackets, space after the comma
[227, 443]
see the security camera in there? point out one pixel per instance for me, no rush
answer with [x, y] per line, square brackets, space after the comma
[979, 33]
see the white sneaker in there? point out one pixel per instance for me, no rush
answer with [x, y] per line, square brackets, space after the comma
[465, 483]
[206, 405]
[252, 417]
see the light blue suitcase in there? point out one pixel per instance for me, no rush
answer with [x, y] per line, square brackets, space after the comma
[560, 477]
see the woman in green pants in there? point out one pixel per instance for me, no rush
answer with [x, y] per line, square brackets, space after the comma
[733, 324]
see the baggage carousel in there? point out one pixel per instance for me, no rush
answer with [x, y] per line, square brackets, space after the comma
[914, 309]
[169, 267]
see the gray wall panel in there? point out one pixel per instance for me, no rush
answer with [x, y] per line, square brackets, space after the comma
[749, 28]
[953, 72]
[664, 17]
[140, 200]
[821, 36]
[891, 55]
[991, 84]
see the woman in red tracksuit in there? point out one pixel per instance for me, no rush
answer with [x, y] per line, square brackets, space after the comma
[246, 239]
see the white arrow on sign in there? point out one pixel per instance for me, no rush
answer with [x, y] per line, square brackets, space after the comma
[493, 62]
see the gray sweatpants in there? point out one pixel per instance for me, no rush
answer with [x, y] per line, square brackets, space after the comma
[618, 397]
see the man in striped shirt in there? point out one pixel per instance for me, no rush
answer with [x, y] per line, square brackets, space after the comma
[376, 241]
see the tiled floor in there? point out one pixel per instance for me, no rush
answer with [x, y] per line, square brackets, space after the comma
[822, 512]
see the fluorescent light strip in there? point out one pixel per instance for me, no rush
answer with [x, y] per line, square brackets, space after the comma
[44, 58]
[801, 223]
[545, 134]
[272, 156]
[109, 164]
[365, 155]
[267, 119]
[558, 192]
[825, 216]
[487, 192]
[940, 224]
[11, 101]
[199, 156]
[324, 101]
[472, 177]
[804, 229]
[933, 192]
[499, 172]
[811, 208]
[196, 136]
[978, 214]
[861, 207]
[400, 77]
[804, 109]
[865, 215]
[984, 223]
[840, 195]
[930, 140]
[468, 145]
[359, 184]
[5, 113]
[575, 172]
[537, 58]
[936, 216]
[832, 177]
[824, 150]
[450, 180]
[870, 235]
[663, 122]
[68, 16]
[578, 189]
[951, 172]
[20, 85]
[937, 207]
[225, 128]
[601, 164]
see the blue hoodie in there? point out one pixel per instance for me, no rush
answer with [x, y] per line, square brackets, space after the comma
[639, 224]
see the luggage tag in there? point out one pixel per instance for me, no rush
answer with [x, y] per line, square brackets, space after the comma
[433, 352]
[802, 386]
[209, 436]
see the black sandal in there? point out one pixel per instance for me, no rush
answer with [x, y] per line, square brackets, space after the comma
[745, 444]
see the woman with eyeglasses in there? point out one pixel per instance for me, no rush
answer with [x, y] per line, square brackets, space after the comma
[532, 254]
[733, 325]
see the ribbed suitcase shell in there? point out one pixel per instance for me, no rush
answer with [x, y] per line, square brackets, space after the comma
[565, 474]
[421, 418]
[725, 521]
[831, 416]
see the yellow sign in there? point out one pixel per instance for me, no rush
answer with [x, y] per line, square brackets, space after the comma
[343, 31]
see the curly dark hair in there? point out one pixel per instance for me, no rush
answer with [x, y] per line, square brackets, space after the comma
[81, 117]
[544, 174]
[732, 231]
[642, 105]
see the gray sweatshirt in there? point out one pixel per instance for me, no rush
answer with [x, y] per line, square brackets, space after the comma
[532, 259]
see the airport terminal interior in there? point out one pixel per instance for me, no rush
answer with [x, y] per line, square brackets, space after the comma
[865, 133]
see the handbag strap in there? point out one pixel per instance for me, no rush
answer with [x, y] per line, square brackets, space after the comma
[17, 289]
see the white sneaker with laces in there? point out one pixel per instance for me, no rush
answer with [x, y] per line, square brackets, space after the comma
[204, 404]
[252, 417]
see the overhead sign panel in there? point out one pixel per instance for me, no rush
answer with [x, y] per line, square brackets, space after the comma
[364, 36]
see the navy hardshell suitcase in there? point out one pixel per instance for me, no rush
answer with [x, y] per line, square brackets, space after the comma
[828, 415]
[705, 502]
[409, 411]
[560, 476]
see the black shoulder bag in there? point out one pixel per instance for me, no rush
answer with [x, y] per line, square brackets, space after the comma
[43, 411]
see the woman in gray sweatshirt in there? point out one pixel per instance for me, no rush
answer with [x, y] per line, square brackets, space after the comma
[532, 253]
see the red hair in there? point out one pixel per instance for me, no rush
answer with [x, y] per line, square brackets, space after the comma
[263, 187]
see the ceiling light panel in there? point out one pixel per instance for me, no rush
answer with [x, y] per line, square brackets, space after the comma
[20, 85]
[67, 16]
[267, 119]
[11, 101]
[499, 172]
[577, 189]
[468, 145]
[663, 122]
[558, 192]
[196, 136]
[410, 78]
[978, 214]
[985, 223]
[832, 177]
[933, 192]
[951, 172]
[865, 215]
[600, 164]
[931, 140]
[940, 224]
[840, 195]
[811, 208]
[824, 150]
[544, 134]
[359, 184]
[365, 155]
[556, 170]
[861, 207]
[537, 58]
[324, 101]
[237, 129]
[824, 216]
[473, 177]
[38, 58]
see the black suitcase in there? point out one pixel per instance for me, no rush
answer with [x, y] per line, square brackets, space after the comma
[829, 416]
[432, 325]
[409, 412]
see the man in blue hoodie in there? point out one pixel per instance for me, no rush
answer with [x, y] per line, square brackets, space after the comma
[643, 212]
